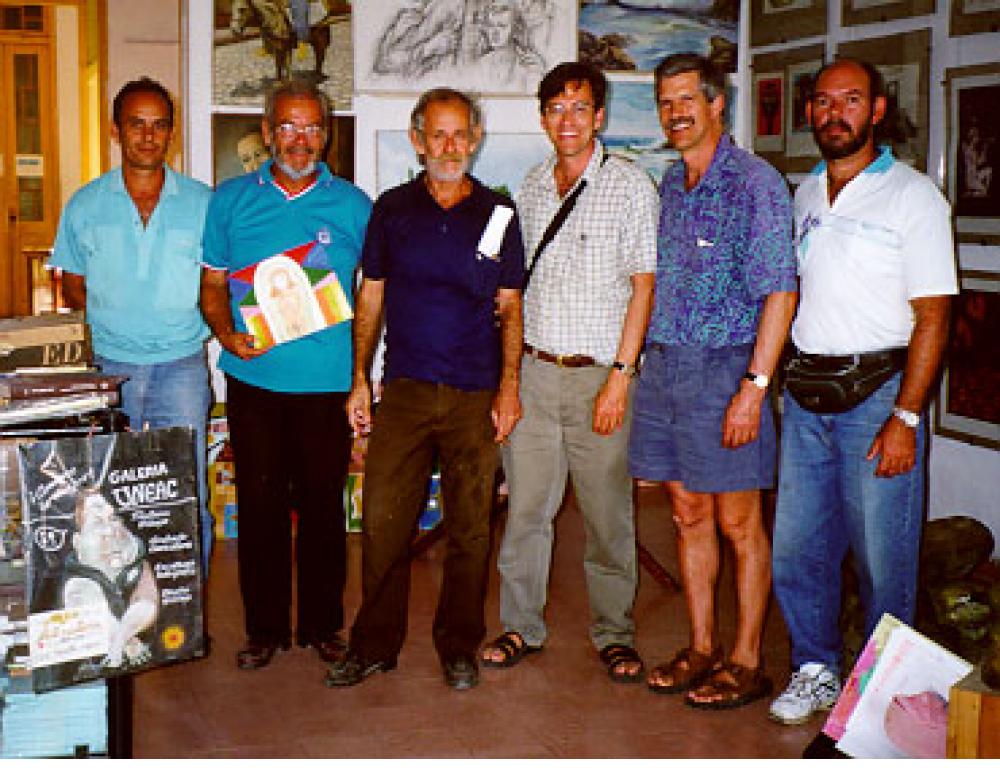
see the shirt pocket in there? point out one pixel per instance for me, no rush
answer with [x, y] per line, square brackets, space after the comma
[179, 276]
[594, 262]
[872, 249]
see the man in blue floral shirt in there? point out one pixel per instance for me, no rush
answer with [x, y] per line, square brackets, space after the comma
[725, 295]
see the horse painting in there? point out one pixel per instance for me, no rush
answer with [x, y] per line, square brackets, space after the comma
[277, 33]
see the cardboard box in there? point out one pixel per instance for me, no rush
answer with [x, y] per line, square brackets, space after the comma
[44, 341]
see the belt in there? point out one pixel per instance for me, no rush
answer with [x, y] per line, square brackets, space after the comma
[895, 357]
[562, 360]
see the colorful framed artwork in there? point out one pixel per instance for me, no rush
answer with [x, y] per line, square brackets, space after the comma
[633, 128]
[969, 17]
[876, 11]
[637, 36]
[968, 407]
[779, 21]
[781, 133]
[258, 42]
[904, 61]
[498, 47]
[972, 126]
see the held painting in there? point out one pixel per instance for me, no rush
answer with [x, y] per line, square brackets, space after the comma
[485, 46]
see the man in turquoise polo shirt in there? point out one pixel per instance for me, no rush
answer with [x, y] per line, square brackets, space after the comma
[286, 386]
[129, 246]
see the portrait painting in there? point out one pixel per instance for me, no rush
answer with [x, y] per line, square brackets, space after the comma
[500, 163]
[238, 146]
[259, 42]
[973, 151]
[969, 405]
[769, 97]
[799, 141]
[484, 46]
[637, 36]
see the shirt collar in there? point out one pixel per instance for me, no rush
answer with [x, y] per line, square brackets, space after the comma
[265, 176]
[593, 165]
[116, 182]
[882, 162]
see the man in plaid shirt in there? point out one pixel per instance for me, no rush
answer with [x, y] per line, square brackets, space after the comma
[585, 314]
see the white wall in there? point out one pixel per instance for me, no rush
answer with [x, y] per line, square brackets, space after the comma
[67, 67]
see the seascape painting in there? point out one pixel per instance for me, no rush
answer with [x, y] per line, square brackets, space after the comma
[633, 129]
[635, 35]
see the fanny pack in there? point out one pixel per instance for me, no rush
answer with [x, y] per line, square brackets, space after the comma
[832, 385]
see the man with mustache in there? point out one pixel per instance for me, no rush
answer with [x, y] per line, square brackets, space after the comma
[877, 269]
[441, 254]
[285, 404]
[725, 295]
[129, 245]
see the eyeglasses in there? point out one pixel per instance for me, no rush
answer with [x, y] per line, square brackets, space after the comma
[289, 130]
[577, 110]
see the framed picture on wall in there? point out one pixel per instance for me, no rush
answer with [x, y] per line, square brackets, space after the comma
[872, 11]
[498, 48]
[778, 21]
[968, 407]
[904, 63]
[636, 37]
[238, 146]
[258, 42]
[973, 16]
[972, 127]
[633, 127]
[782, 82]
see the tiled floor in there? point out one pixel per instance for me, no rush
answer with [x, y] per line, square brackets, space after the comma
[557, 704]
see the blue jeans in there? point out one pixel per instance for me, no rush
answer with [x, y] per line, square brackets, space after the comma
[172, 394]
[829, 500]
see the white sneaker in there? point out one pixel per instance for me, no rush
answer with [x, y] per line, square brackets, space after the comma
[812, 688]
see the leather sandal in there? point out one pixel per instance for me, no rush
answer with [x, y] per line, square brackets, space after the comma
[615, 656]
[686, 669]
[511, 645]
[730, 686]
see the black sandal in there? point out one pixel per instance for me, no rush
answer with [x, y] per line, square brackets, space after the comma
[511, 645]
[614, 656]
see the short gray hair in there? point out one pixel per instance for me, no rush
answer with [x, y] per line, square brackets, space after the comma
[294, 87]
[711, 78]
[444, 95]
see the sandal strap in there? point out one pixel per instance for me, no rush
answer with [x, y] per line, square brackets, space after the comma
[506, 643]
[616, 654]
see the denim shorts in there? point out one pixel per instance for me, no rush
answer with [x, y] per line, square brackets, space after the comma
[677, 416]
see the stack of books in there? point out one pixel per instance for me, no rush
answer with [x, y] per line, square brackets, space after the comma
[47, 382]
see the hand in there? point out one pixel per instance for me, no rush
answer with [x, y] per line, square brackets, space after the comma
[506, 410]
[610, 403]
[741, 423]
[359, 408]
[896, 447]
[243, 345]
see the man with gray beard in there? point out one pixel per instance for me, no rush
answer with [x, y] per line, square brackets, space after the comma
[286, 401]
[442, 251]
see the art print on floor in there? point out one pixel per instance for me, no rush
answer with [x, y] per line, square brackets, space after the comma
[112, 542]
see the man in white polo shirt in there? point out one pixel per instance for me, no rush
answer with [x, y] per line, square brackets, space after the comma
[877, 269]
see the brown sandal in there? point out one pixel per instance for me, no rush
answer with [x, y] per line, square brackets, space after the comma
[731, 685]
[686, 669]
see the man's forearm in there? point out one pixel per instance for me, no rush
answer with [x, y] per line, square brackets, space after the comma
[511, 335]
[74, 289]
[640, 305]
[926, 350]
[367, 322]
[214, 303]
[772, 332]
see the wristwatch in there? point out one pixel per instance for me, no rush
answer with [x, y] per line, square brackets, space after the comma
[628, 370]
[908, 418]
[758, 379]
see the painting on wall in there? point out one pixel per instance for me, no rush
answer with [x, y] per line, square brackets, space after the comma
[238, 146]
[799, 141]
[973, 151]
[904, 64]
[778, 21]
[969, 17]
[259, 42]
[501, 162]
[500, 47]
[769, 111]
[633, 130]
[637, 36]
[874, 11]
[969, 405]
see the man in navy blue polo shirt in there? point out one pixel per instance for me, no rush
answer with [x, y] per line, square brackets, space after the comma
[285, 402]
[442, 252]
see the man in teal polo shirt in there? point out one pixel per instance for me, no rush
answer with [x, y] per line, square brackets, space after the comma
[285, 398]
[129, 246]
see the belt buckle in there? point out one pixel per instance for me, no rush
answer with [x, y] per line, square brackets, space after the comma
[559, 361]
